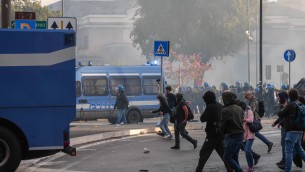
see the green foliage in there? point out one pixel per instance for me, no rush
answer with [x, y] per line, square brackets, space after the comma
[212, 28]
[42, 13]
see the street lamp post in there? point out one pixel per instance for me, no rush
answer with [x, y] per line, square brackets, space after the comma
[260, 46]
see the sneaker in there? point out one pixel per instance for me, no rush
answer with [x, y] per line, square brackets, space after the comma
[175, 147]
[281, 166]
[281, 162]
[270, 147]
[256, 158]
[250, 169]
[117, 125]
[160, 134]
[169, 137]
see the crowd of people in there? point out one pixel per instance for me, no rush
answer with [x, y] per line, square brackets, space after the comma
[268, 94]
[227, 127]
[228, 114]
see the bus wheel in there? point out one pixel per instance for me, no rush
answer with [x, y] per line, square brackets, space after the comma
[112, 120]
[10, 150]
[133, 117]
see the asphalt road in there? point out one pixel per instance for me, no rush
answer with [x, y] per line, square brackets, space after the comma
[127, 154]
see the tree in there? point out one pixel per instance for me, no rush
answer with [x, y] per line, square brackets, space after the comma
[190, 66]
[213, 28]
[195, 28]
[42, 13]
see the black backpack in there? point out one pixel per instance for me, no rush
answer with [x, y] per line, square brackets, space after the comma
[191, 115]
[261, 108]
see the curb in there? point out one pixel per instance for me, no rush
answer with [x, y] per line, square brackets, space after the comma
[123, 133]
[131, 132]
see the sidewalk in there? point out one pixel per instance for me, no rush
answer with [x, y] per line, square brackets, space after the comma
[85, 132]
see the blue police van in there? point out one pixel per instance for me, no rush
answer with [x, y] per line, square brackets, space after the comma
[96, 91]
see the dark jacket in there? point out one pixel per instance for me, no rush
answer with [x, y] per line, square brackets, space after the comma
[289, 113]
[163, 108]
[171, 100]
[121, 101]
[211, 114]
[231, 115]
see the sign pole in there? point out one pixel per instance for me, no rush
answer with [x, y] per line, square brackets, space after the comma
[162, 82]
[289, 75]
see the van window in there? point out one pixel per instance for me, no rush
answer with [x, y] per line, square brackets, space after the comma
[132, 85]
[95, 86]
[150, 85]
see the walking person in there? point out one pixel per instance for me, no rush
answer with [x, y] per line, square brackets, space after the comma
[181, 121]
[231, 125]
[213, 140]
[164, 112]
[294, 134]
[253, 103]
[171, 100]
[121, 104]
[248, 135]
[283, 99]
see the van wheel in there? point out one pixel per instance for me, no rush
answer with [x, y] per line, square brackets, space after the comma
[10, 150]
[112, 120]
[133, 117]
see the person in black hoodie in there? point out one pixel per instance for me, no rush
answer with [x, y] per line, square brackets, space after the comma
[213, 140]
[232, 128]
[181, 121]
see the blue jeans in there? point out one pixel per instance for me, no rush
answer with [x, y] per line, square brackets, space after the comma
[121, 114]
[164, 125]
[262, 138]
[293, 143]
[283, 136]
[248, 152]
[231, 150]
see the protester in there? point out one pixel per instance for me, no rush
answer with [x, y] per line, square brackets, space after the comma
[232, 128]
[214, 140]
[294, 134]
[283, 99]
[164, 112]
[181, 121]
[253, 103]
[248, 135]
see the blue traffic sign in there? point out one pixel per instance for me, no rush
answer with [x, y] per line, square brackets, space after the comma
[161, 48]
[289, 55]
[25, 24]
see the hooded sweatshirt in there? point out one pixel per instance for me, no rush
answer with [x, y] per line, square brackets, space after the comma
[231, 115]
[211, 114]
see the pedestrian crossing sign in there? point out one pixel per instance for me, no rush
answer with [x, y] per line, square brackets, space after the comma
[161, 48]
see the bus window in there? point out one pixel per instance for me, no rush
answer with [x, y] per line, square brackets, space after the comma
[78, 90]
[95, 86]
[132, 85]
[150, 86]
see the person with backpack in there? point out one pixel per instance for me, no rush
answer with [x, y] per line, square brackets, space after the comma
[213, 140]
[254, 104]
[181, 121]
[121, 104]
[294, 125]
